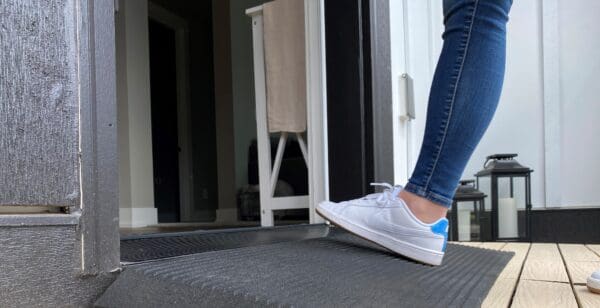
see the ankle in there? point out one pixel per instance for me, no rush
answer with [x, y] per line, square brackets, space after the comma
[424, 209]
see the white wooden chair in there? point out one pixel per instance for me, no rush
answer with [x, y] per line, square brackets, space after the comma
[268, 175]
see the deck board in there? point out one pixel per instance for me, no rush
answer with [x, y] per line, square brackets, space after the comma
[586, 298]
[493, 245]
[544, 263]
[502, 291]
[580, 261]
[548, 294]
[581, 270]
[594, 248]
[513, 268]
[577, 252]
[544, 275]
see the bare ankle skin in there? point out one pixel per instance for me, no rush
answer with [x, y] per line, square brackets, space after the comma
[423, 209]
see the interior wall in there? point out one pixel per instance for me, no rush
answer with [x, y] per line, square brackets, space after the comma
[198, 15]
[224, 109]
[519, 123]
[122, 110]
[233, 111]
[136, 185]
[244, 108]
[136, 193]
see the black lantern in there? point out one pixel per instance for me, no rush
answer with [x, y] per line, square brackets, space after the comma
[467, 205]
[508, 186]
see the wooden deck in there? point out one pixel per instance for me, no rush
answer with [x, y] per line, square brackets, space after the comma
[544, 275]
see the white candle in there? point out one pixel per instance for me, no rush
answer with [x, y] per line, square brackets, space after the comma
[464, 225]
[507, 218]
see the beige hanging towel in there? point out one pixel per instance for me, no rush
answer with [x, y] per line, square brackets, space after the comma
[283, 22]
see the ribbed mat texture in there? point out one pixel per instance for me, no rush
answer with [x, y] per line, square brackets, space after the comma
[337, 270]
[142, 248]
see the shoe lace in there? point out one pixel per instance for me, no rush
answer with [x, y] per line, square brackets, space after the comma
[389, 194]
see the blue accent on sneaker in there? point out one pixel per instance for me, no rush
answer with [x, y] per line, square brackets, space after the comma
[441, 228]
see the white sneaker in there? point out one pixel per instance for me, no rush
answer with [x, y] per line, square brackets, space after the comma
[386, 220]
[593, 282]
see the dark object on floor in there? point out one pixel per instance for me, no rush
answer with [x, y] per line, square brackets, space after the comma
[338, 270]
[158, 246]
[293, 167]
[248, 201]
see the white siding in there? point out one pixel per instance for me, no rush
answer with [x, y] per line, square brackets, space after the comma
[518, 126]
[579, 39]
[519, 122]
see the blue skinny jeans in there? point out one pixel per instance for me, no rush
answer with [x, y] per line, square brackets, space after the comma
[464, 94]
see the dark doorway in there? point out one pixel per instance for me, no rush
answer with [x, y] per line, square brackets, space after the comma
[163, 95]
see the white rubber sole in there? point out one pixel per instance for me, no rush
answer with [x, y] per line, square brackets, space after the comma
[593, 285]
[406, 249]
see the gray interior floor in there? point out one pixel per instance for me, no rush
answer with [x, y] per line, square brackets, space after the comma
[337, 270]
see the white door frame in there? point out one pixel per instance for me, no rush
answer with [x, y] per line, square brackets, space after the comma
[318, 158]
[416, 43]
[401, 94]
[180, 26]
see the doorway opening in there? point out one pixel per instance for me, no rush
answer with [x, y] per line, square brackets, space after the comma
[186, 118]
[165, 141]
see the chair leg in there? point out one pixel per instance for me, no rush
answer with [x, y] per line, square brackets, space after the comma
[277, 163]
[302, 145]
[266, 218]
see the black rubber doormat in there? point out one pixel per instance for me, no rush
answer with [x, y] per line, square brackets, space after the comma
[158, 246]
[339, 270]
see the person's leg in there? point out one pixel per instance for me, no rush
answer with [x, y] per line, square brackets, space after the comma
[464, 94]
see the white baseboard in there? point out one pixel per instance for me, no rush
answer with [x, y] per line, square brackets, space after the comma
[227, 215]
[137, 217]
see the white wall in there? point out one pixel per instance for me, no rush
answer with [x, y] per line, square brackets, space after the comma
[136, 186]
[224, 122]
[244, 107]
[519, 122]
[579, 64]
[518, 126]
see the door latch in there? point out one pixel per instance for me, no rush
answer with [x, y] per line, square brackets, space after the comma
[407, 98]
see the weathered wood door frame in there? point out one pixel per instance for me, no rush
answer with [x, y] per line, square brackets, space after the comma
[98, 136]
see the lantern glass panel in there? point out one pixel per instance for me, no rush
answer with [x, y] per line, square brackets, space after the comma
[484, 185]
[520, 195]
[511, 207]
[468, 223]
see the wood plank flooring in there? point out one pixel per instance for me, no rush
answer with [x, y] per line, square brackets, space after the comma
[544, 275]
